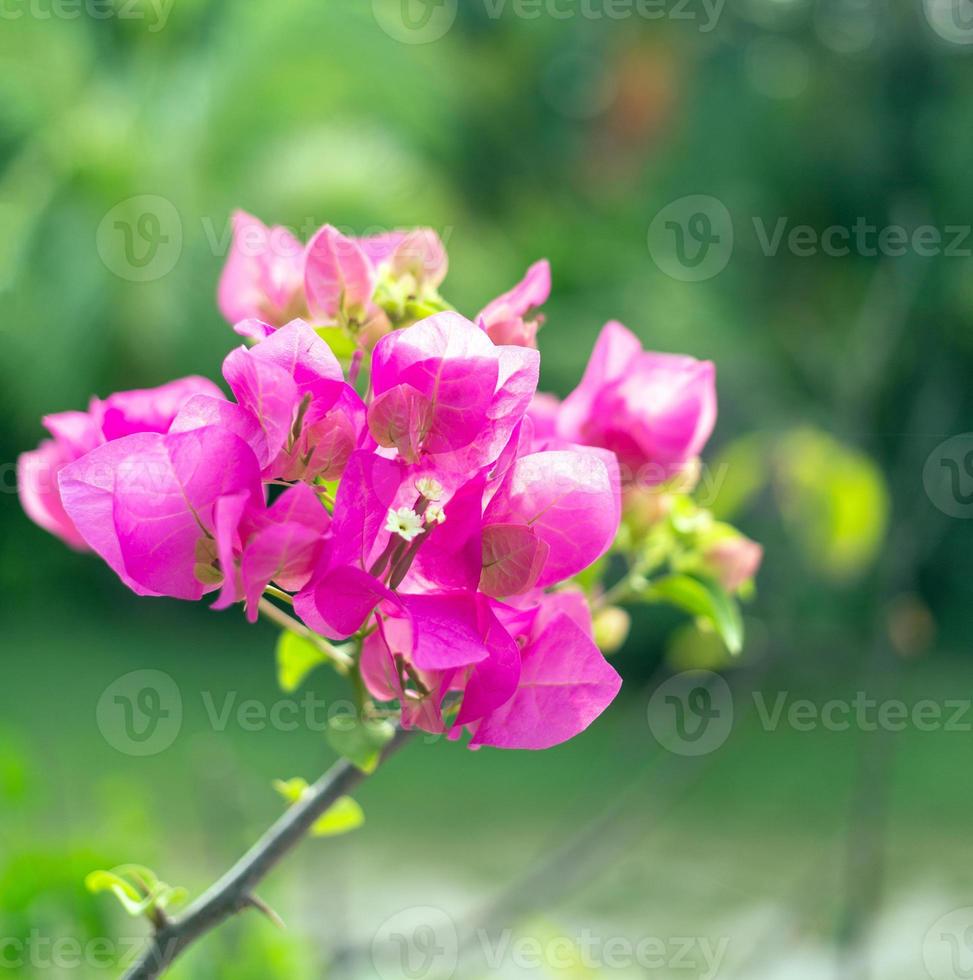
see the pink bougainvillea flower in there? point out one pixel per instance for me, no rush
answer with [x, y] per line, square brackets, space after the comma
[565, 684]
[76, 433]
[257, 546]
[566, 505]
[543, 413]
[654, 411]
[442, 386]
[511, 318]
[339, 278]
[264, 274]
[146, 503]
[293, 406]
[734, 560]
[436, 645]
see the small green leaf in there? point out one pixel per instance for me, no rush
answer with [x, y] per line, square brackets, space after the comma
[137, 888]
[291, 789]
[339, 340]
[107, 881]
[343, 816]
[705, 600]
[361, 742]
[297, 656]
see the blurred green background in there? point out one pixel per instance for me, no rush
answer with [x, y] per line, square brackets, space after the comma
[519, 132]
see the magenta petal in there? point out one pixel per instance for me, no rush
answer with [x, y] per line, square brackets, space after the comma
[202, 411]
[616, 349]
[37, 476]
[142, 502]
[421, 254]
[286, 549]
[282, 553]
[506, 319]
[227, 515]
[451, 558]
[253, 329]
[378, 670]
[88, 488]
[493, 681]
[453, 364]
[379, 248]
[168, 497]
[669, 402]
[77, 433]
[513, 559]
[338, 277]
[298, 349]
[447, 631]
[365, 493]
[263, 275]
[569, 499]
[266, 390]
[151, 409]
[400, 419]
[337, 603]
[530, 293]
[565, 685]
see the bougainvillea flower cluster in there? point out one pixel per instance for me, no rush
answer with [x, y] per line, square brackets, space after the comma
[386, 466]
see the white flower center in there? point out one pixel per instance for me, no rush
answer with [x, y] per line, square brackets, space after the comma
[404, 522]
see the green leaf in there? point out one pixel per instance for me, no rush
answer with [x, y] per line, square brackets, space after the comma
[361, 742]
[107, 881]
[343, 816]
[137, 888]
[291, 789]
[704, 599]
[339, 340]
[297, 656]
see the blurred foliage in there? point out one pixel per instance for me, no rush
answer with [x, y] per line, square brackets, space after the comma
[516, 138]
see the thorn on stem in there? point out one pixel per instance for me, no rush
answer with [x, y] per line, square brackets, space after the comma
[255, 902]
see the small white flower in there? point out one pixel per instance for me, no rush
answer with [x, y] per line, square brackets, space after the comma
[435, 514]
[430, 488]
[404, 522]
